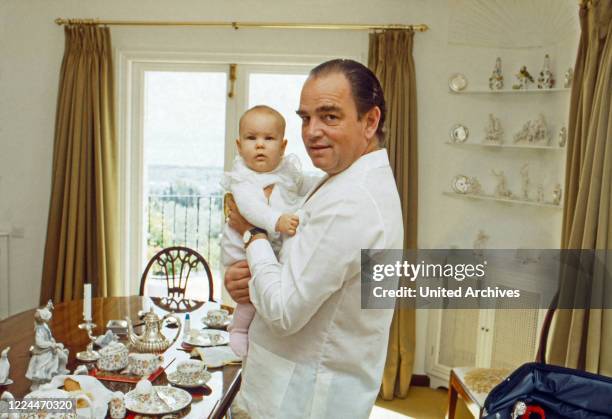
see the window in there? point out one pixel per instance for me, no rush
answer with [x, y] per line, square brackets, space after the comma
[180, 128]
[184, 143]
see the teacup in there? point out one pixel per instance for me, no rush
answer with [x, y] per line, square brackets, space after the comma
[217, 318]
[143, 364]
[190, 371]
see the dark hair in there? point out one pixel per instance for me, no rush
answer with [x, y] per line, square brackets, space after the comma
[365, 88]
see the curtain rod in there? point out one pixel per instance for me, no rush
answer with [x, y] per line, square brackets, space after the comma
[240, 25]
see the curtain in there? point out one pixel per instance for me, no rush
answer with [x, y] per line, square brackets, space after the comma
[390, 58]
[582, 338]
[82, 228]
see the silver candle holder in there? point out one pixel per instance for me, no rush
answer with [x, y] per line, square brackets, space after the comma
[88, 355]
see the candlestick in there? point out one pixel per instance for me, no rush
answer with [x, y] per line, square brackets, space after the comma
[88, 355]
[87, 302]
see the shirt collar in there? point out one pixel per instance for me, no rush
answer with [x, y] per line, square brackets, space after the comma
[374, 159]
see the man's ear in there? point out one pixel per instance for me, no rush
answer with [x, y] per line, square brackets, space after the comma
[372, 119]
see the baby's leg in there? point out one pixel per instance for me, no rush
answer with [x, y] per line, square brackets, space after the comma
[239, 329]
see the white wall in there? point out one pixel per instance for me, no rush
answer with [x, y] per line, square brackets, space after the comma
[32, 46]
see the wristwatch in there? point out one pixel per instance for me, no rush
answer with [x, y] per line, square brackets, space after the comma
[248, 235]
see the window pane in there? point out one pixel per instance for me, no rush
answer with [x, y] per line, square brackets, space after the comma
[184, 143]
[282, 92]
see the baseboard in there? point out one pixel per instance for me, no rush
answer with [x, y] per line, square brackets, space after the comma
[419, 380]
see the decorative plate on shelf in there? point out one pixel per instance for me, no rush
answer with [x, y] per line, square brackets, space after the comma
[459, 133]
[460, 184]
[174, 399]
[457, 82]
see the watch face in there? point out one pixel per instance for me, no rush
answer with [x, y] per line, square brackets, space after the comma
[246, 237]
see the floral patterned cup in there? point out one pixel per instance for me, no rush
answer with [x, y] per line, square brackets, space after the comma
[216, 318]
[143, 364]
[190, 371]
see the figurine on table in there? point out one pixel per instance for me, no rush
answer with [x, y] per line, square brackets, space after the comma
[47, 357]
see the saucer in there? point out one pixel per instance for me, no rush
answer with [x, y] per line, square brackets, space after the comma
[203, 338]
[174, 378]
[222, 325]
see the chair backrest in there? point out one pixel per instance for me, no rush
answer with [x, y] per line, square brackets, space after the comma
[175, 265]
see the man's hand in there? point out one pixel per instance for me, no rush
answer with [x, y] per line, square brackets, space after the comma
[237, 278]
[288, 224]
[235, 219]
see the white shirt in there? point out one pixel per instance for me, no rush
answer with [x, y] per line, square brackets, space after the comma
[313, 352]
[247, 187]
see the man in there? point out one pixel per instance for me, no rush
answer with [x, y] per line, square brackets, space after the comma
[313, 352]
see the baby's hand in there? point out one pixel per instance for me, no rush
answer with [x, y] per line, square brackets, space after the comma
[287, 223]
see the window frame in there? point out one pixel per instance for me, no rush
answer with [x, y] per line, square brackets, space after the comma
[131, 66]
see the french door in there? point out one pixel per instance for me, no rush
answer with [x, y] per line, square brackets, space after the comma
[181, 125]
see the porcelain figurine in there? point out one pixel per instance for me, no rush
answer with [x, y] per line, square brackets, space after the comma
[493, 131]
[569, 77]
[540, 193]
[501, 189]
[481, 241]
[496, 81]
[5, 366]
[524, 78]
[545, 78]
[556, 194]
[525, 181]
[534, 132]
[48, 358]
[562, 136]
[8, 397]
[474, 187]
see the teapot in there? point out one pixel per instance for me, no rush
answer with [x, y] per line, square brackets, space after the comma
[152, 339]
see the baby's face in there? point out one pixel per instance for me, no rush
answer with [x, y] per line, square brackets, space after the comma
[261, 142]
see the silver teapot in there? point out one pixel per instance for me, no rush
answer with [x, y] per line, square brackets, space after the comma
[152, 339]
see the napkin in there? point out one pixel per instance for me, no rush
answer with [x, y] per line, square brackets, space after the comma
[217, 356]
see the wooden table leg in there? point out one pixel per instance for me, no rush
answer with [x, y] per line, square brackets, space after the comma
[452, 401]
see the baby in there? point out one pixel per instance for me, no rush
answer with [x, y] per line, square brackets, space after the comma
[266, 187]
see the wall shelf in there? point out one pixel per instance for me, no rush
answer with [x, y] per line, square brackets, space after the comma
[514, 146]
[506, 201]
[509, 91]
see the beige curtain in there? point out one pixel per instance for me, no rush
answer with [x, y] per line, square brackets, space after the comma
[390, 58]
[82, 229]
[583, 338]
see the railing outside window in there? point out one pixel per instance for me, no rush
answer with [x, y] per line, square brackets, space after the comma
[194, 221]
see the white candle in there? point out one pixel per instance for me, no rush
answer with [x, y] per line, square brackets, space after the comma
[87, 302]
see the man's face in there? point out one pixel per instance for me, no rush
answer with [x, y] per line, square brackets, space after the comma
[261, 142]
[333, 134]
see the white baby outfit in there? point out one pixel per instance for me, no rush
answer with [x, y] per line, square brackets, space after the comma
[247, 187]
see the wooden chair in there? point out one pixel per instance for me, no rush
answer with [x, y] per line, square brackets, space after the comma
[175, 265]
[474, 401]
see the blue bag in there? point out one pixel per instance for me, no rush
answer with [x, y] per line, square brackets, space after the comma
[560, 392]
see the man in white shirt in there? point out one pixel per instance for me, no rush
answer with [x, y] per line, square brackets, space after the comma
[313, 351]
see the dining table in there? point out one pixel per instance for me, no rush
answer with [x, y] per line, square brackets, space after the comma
[17, 331]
